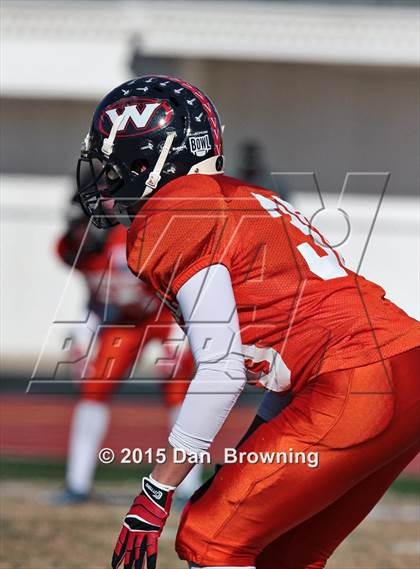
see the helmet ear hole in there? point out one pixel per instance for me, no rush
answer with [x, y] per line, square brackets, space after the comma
[140, 166]
[112, 175]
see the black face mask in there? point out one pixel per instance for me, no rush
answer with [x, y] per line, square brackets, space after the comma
[97, 183]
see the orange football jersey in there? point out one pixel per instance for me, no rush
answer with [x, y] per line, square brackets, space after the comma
[301, 312]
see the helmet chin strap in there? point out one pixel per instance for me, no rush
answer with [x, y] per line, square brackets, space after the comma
[108, 143]
[154, 176]
[207, 166]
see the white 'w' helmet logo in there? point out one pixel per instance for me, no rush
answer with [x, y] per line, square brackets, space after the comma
[131, 112]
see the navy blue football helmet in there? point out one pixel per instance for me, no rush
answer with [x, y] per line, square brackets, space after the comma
[145, 133]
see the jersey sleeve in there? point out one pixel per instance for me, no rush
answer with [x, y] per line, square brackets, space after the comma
[172, 244]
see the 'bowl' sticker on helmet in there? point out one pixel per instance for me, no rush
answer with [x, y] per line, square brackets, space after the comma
[200, 145]
[140, 116]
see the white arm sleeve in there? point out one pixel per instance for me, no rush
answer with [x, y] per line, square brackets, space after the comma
[208, 307]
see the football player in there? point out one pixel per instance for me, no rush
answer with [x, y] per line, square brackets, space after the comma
[124, 317]
[260, 292]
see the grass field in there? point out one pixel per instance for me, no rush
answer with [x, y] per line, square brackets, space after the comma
[37, 536]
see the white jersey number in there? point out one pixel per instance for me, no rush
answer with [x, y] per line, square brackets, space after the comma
[327, 266]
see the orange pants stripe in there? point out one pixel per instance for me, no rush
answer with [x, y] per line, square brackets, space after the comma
[364, 425]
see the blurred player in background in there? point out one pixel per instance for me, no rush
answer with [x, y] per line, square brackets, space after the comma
[253, 168]
[125, 316]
